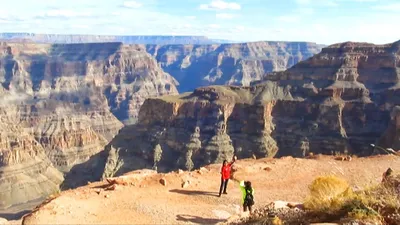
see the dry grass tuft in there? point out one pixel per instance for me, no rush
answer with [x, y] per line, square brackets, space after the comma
[328, 193]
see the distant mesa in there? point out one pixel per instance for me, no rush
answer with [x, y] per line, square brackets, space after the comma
[126, 39]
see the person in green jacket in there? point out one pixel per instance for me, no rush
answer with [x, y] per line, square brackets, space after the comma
[247, 195]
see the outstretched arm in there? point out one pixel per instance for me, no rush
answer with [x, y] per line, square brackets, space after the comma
[234, 158]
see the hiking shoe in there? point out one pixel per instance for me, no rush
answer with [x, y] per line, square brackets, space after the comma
[225, 193]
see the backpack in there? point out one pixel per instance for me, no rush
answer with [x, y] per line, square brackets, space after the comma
[248, 199]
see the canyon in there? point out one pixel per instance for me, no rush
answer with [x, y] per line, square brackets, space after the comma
[65, 100]
[339, 101]
[62, 103]
[229, 64]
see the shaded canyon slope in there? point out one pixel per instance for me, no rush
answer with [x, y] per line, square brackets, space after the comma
[338, 101]
[69, 101]
[228, 64]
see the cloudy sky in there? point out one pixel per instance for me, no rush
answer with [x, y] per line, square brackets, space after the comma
[321, 21]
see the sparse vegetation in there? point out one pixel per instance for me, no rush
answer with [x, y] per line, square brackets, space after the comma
[331, 199]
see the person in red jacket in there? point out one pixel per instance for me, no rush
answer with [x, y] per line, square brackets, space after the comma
[225, 174]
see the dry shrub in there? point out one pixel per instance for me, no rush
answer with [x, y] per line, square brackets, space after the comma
[328, 194]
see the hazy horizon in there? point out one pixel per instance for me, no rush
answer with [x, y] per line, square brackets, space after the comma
[319, 21]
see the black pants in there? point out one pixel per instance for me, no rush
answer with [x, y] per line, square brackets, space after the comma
[245, 207]
[224, 183]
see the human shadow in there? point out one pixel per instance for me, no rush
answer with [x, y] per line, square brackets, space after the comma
[197, 219]
[189, 192]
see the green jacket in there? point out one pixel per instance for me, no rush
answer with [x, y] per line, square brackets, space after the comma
[242, 188]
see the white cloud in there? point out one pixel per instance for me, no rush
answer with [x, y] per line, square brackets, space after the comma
[220, 5]
[65, 13]
[304, 11]
[289, 19]
[395, 7]
[132, 4]
[190, 17]
[214, 26]
[330, 3]
[224, 16]
[79, 26]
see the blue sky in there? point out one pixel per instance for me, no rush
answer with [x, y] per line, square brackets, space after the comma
[321, 21]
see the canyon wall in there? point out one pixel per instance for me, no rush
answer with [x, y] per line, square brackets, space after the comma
[69, 101]
[338, 101]
[26, 174]
[228, 64]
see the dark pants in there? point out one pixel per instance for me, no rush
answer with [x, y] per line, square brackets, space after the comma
[245, 207]
[224, 183]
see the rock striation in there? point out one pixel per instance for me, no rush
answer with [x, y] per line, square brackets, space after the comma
[26, 174]
[338, 101]
[391, 137]
[69, 100]
[228, 64]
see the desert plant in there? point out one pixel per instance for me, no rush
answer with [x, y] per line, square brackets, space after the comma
[328, 194]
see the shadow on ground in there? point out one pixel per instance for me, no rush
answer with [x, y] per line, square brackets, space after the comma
[197, 219]
[189, 192]
[14, 216]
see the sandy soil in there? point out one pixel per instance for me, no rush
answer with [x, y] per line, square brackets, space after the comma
[148, 202]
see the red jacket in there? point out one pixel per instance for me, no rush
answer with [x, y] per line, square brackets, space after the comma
[226, 171]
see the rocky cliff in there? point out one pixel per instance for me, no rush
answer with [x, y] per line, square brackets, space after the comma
[338, 101]
[391, 137]
[228, 64]
[70, 99]
[26, 174]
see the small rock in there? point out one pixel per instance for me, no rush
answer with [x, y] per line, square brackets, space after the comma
[185, 184]
[3, 221]
[106, 196]
[98, 191]
[111, 188]
[163, 181]
[267, 169]
[203, 170]
[180, 171]
[254, 156]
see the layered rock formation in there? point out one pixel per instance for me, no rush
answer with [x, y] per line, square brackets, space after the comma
[228, 64]
[391, 137]
[338, 101]
[69, 100]
[135, 39]
[26, 174]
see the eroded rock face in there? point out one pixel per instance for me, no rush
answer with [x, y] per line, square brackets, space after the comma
[90, 76]
[228, 64]
[338, 101]
[391, 137]
[70, 100]
[26, 174]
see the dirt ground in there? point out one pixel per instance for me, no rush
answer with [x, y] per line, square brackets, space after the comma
[148, 202]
